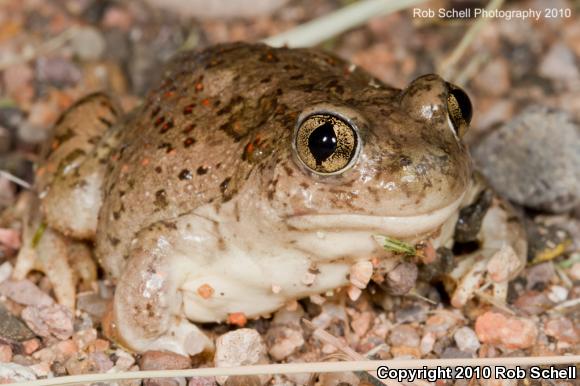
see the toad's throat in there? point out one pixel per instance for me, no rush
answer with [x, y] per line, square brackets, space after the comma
[394, 226]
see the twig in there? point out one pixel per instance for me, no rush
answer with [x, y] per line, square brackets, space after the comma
[320, 367]
[335, 23]
[16, 180]
[447, 66]
[560, 308]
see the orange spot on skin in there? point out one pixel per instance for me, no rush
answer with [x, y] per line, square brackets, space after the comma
[145, 161]
[168, 94]
[198, 86]
[238, 319]
[205, 291]
[124, 168]
[205, 102]
[55, 145]
[40, 171]
[115, 157]
[249, 148]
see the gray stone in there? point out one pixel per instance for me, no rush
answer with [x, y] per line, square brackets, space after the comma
[534, 160]
[12, 328]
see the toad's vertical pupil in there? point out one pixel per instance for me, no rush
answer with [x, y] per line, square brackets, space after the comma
[322, 142]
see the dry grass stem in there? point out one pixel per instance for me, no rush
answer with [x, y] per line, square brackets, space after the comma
[328, 26]
[447, 66]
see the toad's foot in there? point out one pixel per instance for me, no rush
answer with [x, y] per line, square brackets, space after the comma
[500, 258]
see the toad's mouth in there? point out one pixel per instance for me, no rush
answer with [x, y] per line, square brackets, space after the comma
[394, 226]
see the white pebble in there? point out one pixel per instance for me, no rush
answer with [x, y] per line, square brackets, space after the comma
[466, 340]
[240, 348]
[360, 273]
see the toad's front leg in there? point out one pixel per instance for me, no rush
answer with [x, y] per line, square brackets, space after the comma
[147, 308]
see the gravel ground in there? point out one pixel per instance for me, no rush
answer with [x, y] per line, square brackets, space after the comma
[55, 51]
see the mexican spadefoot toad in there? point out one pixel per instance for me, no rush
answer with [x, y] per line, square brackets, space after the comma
[247, 170]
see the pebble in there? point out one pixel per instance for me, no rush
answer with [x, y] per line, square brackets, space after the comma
[163, 360]
[84, 337]
[427, 343]
[92, 363]
[57, 71]
[18, 83]
[559, 64]
[414, 313]
[124, 360]
[176, 381]
[88, 44]
[202, 381]
[243, 380]
[10, 238]
[453, 352]
[50, 320]
[360, 274]
[92, 303]
[404, 335]
[25, 292]
[401, 279]
[362, 322]
[557, 293]
[440, 323]
[283, 341]
[575, 271]
[5, 353]
[509, 332]
[5, 271]
[531, 166]
[533, 302]
[60, 352]
[30, 346]
[289, 317]
[338, 379]
[12, 372]
[41, 369]
[10, 118]
[540, 274]
[12, 328]
[466, 340]
[238, 348]
[494, 79]
[36, 128]
[563, 329]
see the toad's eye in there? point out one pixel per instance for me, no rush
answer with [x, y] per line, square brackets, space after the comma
[326, 144]
[459, 107]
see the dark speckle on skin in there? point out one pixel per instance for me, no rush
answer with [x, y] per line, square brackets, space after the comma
[166, 126]
[161, 199]
[189, 128]
[202, 170]
[188, 142]
[185, 175]
[224, 184]
[159, 121]
[158, 169]
[167, 146]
